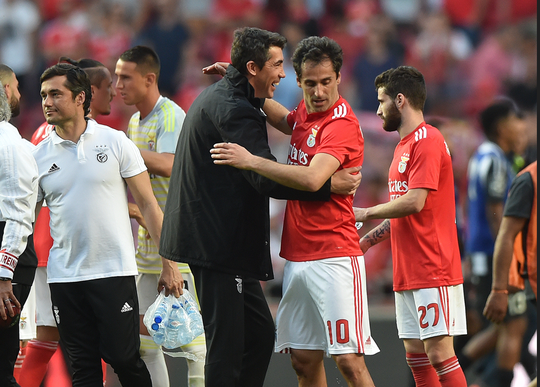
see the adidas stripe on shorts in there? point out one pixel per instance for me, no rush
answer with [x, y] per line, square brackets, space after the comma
[324, 307]
[425, 313]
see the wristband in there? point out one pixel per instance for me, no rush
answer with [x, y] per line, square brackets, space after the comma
[5, 279]
[7, 262]
[502, 291]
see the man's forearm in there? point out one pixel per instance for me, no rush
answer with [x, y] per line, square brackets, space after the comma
[410, 203]
[297, 177]
[504, 250]
[153, 217]
[376, 235]
[502, 259]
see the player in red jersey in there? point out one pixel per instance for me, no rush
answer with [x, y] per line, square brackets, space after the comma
[319, 240]
[41, 350]
[420, 221]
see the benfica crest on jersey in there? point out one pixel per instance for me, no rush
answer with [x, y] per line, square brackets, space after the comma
[403, 164]
[312, 136]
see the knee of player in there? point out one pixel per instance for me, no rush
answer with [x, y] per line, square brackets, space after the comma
[352, 366]
[305, 362]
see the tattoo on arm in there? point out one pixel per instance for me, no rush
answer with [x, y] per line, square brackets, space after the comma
[379, 234]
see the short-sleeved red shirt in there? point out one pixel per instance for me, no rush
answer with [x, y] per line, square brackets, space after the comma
[317, 230]
[425, 250]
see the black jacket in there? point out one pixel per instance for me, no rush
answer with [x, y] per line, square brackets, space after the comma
[217, 216]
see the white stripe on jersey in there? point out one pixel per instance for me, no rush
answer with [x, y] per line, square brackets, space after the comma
[340, 111]
[420, 133]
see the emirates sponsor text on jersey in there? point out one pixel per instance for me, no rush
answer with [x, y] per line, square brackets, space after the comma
[297, 156]
[397, 188]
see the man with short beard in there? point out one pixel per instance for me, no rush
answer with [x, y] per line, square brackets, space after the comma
[11, 87]
[420, 220]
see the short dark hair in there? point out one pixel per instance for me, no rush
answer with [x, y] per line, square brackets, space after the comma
[145, 58]
[497, 111]
[317, 49]
[405, 80]
[77, 81]
[94, 69]
[253, 44]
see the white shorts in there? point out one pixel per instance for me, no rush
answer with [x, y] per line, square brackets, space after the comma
[44, 314]
[324, 307]
[147, 293]
[27, 322]
[425, 313]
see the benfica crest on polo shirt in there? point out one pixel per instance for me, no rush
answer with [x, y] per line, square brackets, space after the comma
[102, 153]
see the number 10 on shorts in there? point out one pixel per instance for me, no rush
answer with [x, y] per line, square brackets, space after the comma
[341, 331]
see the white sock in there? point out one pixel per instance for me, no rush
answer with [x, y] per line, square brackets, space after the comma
[196, 368]
[155, 362]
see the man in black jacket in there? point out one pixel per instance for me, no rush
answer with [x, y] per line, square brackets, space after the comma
[217, 219]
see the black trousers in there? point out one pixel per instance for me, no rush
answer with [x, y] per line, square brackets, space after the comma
[239, 328]
[99, 319]
[9, 342]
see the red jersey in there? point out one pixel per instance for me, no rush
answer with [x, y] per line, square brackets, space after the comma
[317, 230]
[425, 248]
[42, 233]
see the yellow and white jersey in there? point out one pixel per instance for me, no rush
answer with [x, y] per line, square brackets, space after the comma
[157, 132]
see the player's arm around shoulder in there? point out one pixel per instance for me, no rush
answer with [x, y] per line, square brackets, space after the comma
[307, 178]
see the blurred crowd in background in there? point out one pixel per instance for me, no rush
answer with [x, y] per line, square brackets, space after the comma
[470, 51]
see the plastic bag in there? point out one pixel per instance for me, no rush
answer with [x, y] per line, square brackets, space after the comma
[173, 322]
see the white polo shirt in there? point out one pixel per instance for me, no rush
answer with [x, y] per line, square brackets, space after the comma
[83, 185]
